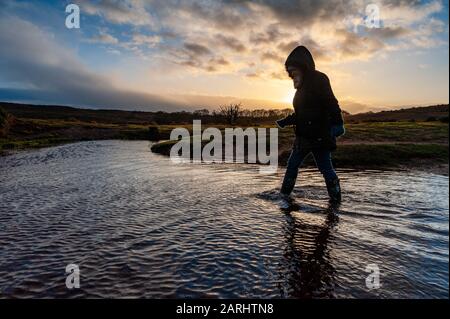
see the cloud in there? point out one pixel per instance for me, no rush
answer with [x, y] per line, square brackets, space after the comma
[398, 12]
[355, 46]
[104, 37]
[119, 11]
[196, 49]
[33, 60]
[271, 35]
[287, 47]
[354, 107]
[219, 61]
[270, 29]
[148, 40]
[271, 56]
[253, 75]
[44, 71]
[388, 32]
[213, 38]
[223, 15]
[231, 42]
[200, 57]
[333, 30]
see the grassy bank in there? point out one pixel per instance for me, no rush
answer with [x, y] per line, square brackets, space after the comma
[365, 145]
[375, 145]
[390, 155]
[32, 133]
[365, 155]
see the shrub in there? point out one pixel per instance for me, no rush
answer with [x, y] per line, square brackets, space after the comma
[3, 116]
[6, 120]
[153, 133]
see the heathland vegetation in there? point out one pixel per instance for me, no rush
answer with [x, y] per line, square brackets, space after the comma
[408, 137]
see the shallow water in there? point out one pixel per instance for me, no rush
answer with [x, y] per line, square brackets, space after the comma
[138, 225]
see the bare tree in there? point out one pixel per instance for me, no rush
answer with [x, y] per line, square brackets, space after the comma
[231, 112]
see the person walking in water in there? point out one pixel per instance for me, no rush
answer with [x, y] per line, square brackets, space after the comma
[317, 120]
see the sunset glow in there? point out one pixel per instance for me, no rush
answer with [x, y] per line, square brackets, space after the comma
[167, 55]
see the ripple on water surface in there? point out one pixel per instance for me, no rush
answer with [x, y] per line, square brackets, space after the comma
[139, 225]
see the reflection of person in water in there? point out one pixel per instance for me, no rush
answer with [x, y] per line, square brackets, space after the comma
[317, 119]
[310, 271]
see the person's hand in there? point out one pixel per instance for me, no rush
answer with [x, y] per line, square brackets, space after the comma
[338, 130]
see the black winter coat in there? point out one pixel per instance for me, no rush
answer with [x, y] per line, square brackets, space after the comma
[316, 107]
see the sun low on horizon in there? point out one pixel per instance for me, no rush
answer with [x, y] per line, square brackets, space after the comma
[172, 55]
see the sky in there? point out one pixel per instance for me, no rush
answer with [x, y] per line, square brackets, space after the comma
[184, 55]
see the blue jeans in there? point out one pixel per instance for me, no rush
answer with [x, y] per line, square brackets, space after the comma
[323, 161]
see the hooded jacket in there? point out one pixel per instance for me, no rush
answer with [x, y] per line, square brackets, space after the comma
[316, 108]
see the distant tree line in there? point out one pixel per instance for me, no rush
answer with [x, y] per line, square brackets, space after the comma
[232, 114]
